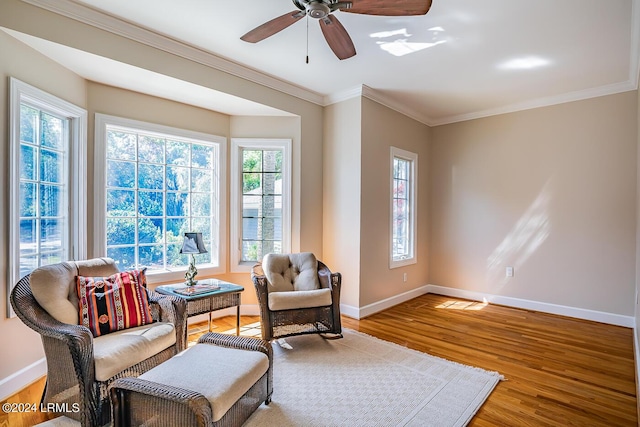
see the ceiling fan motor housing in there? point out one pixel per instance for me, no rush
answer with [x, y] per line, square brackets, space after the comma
[318, 9]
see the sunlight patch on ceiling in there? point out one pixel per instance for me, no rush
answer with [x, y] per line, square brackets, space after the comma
[524, 63]
[398, 44]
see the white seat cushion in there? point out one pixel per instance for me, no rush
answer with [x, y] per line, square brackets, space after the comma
[119, 350]
[299, 299]
[220, 374]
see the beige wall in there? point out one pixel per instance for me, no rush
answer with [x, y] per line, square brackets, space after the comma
[382, 128]
[341, 200]
[20, 345]
[549, 191]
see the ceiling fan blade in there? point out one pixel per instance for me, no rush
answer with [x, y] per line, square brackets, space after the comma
[389, 8]
[272, 27]
[337, 37]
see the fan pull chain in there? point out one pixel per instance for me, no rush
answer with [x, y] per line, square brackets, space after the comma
[307, 39]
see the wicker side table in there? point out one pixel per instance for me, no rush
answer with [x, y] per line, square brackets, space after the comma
[228, 295]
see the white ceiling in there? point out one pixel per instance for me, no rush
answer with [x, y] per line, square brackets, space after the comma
[462, 60]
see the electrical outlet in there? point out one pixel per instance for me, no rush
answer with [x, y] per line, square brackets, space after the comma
[404, 277]
[509, 271]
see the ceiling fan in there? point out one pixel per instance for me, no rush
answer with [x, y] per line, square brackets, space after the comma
[337, 37]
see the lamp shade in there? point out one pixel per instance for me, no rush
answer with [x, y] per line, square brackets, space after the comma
[193, 244]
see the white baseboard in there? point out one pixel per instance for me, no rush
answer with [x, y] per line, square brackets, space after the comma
[562, 310]
[368, 310]
[21, 379]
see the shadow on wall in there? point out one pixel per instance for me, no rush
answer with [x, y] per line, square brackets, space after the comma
[531, 230]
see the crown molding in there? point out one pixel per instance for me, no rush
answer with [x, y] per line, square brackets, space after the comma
[540, 102]
[112, 24]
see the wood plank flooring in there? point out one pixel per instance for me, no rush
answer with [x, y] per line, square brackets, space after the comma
[559, 371]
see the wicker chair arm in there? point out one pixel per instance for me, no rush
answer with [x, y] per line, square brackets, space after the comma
[172, 310]
[37, 318]
[198, 405]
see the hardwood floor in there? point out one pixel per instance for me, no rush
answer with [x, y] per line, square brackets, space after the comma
[559, 371]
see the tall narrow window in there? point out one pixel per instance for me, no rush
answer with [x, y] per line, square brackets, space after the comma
[47, 204]
[404, 166]
[156, 183]
[261, 200]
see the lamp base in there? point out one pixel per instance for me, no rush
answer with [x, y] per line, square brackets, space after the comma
[190, 282]
[192, 271]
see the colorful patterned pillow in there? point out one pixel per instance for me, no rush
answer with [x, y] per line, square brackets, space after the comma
[109, 304]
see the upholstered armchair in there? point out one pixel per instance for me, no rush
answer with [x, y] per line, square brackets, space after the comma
[80, 365]
[297, 295]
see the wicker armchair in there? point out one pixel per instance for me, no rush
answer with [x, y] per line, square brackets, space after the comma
[69, 348]
[304, 314]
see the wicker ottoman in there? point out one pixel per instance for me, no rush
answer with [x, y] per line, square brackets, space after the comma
[218, 382]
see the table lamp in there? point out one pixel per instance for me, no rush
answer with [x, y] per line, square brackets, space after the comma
[192, 245]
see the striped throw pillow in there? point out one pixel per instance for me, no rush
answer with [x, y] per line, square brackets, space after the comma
[109, 304]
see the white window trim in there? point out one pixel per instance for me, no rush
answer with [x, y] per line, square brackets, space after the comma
[100, 185]
[413, 206]
[23, 92]
[236, 191]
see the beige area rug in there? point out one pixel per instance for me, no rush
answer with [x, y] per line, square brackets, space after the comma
[363, 381]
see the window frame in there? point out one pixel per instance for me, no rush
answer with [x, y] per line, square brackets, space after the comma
[21, 92]
[412, 158]
[237, 145]
[102, 123]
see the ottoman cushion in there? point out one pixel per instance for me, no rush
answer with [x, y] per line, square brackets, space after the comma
[222, 375]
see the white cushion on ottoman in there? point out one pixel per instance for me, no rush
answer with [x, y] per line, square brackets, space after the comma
[222, 375]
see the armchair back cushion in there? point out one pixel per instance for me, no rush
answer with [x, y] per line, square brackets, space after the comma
[54, 286]
[291, 272]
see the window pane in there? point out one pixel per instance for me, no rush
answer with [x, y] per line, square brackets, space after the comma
[177, 178]
[28, 161]
[202, 156]
[252, 183]
[52, 131]
[150, 230]
[51, 202]
[28, 197]
[121, 174]
[177, 204]
[252, 250]
[121, 203]
[178, 153]
[28, 124]
[200, 204]
[51, 234]
[51, 165]
[121, 231]
[271, 161]
[150, 176]
[200, 180]
[28, 237]
[252, 161]
[176, 227]
[121, 145]
[151, 150]
[151, 203]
